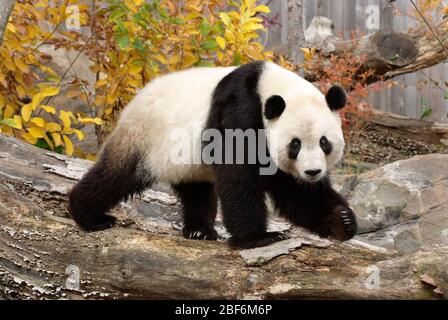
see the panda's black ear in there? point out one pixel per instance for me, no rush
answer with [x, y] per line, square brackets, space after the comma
[336, 97]
[274, 107]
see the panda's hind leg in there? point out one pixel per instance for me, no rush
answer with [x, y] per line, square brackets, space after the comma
[199, 207]
[118, 174]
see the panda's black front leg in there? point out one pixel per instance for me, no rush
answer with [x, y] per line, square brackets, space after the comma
[315, 206]
[199, 207]
[244, 211]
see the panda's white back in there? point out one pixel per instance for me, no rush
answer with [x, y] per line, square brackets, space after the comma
[173, 102]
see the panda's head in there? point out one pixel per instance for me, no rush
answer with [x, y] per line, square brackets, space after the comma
[304, 131]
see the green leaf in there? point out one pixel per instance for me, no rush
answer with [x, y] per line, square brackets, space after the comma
[41, 143]
[138, 45]
[237, 59]
[425, 113]
[121, 28]
[117, 14]
[8, 122]
[177, 21]
[52, 78]
[445, 95]
[123, 41]
[204, 28]
[209, 44]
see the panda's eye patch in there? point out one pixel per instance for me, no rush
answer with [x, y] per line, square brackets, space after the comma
[294, 148]
[325, 145]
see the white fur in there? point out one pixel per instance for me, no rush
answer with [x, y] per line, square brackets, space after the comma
[181, 101]
[306, 117]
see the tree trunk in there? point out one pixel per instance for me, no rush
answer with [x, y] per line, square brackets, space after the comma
[5, 11]
[295, 30]
[388, 54]
[43, 254]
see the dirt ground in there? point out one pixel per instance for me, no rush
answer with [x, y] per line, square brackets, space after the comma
[370, 145]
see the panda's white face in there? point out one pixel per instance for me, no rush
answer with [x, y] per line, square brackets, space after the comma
[304, 136]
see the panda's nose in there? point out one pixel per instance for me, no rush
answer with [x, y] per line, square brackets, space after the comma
[313, 173]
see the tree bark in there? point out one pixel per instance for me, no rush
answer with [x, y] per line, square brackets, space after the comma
[295, 30]
[388, 54]
[145, 257]
[5, 11]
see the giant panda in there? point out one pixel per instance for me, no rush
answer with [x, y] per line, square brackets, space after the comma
[303, 139]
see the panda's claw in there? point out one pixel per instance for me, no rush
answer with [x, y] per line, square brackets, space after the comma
[205, 233]
[342, 223]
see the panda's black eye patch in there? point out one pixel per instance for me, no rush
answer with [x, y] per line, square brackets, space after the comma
[325, 145]
[294, 148]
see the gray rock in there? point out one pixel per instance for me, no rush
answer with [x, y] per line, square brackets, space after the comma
[408, 241]
[403, 205]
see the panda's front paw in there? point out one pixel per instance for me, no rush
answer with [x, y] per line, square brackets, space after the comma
[97, 223]
[260, 240]
[342, 223]
[204, 233]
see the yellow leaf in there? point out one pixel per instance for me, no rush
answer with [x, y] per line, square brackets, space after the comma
[20, 92]
[261, 8]
[49, 91]
[18, 121]
[134, 69]
[28, 138]
[36, 132]
[225, 18]
[91, 157]
[308, 53]
[48, 141]
[97, 121]
[65, 118]
[68, 145]
[26, 112]
[23, 67]
[138, 2]
[57, 139]
[40, 122]
[53, 127]
[79, 134]
[3, 80]
[100, 83]
[48, 109]
[221, 42]
[161, 59]
[11, 27]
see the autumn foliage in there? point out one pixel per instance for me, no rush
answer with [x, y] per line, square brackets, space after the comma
[128, 43]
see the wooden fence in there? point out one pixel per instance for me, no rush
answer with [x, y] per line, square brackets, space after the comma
[413, 90]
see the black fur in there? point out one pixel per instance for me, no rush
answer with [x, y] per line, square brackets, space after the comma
[199, 207]
[274, 107]
[107, 183]
[294, 148]
[236, 105]
[325, 145]
[315, 206]
[336, 97]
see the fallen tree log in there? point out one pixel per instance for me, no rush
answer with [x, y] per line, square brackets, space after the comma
[43, 254]
[388, 53]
